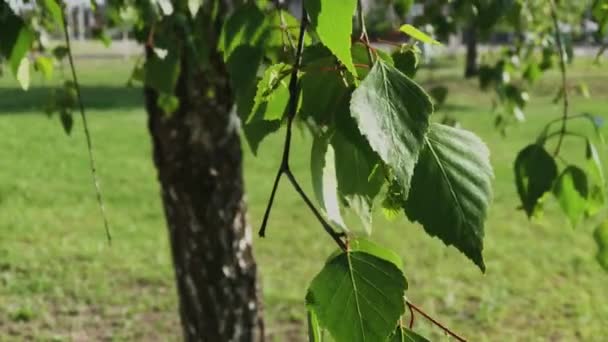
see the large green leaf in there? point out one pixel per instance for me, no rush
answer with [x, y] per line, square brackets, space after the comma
[601, 238]
[323, 171]
[403, 334]
[535, 172]
[358, 297]
[392, 112]
[357, 169]
[323, 95]
[17, 38]
[333, 22]
[452, 189]
[572, 190]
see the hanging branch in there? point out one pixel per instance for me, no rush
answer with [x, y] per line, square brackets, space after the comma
[562, 66]
[434, 321]
[85, 125]
[284, 169]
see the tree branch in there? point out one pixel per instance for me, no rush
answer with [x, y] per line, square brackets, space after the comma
[562, 65]
[292, 108]
[85, 125]
[443, 327]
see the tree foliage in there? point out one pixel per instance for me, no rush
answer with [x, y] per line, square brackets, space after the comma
[373, 129]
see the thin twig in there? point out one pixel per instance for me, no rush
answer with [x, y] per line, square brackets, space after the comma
[411, 324]
[334, 235]
[85, 125]
[285, 29]
[562, 65]
[434, 321]
[364, 36]
[292, 108]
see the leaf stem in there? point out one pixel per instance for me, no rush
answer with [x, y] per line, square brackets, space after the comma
[284, 169]
[434, 321]
[562, 65]
[85, 125]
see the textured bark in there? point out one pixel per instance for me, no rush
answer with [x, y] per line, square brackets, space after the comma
[198, 156]
[471, 67]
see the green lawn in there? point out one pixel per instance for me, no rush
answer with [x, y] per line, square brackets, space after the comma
[59, 280]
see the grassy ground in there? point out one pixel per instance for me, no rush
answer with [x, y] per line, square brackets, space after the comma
[60, 281]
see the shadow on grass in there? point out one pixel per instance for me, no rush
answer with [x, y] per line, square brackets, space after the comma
[14, 100]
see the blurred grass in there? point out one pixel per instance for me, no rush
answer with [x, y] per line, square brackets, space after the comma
[60, 281]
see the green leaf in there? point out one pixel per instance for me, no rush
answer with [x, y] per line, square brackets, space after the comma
[17, 37]
[601, 238]
[246, 26]
[572, 190]
[392, 112]
[403, 334]
[67, 122]
[272, 94]
[361, 58]
[406, 61]
[535, 173]
[257, 131]
[417, 34]
[358, 297]
[324, 182]
[439, 94]
[20, 49]
[54, 11]
[315, 334]
[45, 66]
[23, 73]
[333, 22]
[359, 180]
[597, 181]
[452, 189]
[323, 95]
[369, 247]
[169, 103]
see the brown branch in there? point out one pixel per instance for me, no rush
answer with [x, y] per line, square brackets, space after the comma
[411, 324]
[85, 125]
[434, 321]
[284, 169]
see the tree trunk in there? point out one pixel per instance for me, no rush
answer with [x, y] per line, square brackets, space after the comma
[471, 67]
[198, 156]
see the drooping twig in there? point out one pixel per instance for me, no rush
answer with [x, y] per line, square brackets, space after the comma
[412, 317]
[562, 66]
[434, 321]
[284, 169]
[85, 125]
